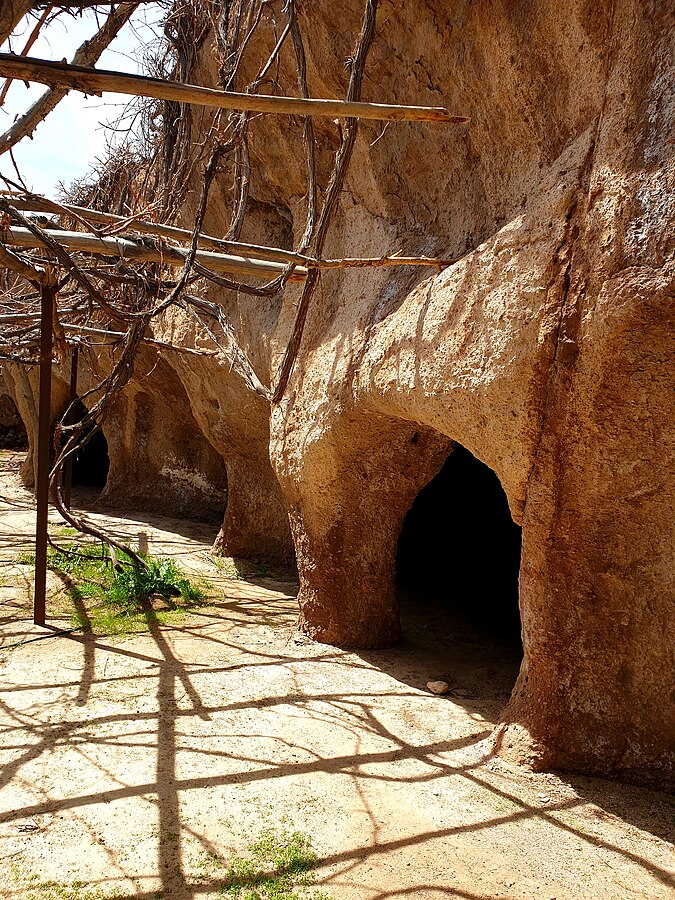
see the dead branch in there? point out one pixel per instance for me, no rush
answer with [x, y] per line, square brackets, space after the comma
[29, 43]
[234, 353]
[81, 432]
[342, 159]
[20, 266]
[97, 81]
[11, 13]
[308, 127]
[62, 256]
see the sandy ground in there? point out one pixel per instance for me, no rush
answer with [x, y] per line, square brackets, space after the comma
[135, 766]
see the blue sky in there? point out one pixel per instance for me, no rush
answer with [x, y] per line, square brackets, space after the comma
[73, 135]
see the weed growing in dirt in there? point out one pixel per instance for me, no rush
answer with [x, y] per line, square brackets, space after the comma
[281, 868]
[121, 598]
[65, 531]
[31, 887]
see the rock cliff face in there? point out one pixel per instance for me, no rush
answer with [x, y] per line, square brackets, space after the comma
[546, 350]
[159, 460]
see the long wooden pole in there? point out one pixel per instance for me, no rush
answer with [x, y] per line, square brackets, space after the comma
[96, 81]
[239, 248]
[124, 248]
[72, 396]
[48, 299]
[130, 223]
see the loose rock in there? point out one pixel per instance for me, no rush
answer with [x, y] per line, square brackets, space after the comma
[438, 687]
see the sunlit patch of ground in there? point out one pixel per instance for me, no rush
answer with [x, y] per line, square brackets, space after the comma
[141, 766]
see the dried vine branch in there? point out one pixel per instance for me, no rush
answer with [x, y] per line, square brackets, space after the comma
[342, 160]
[11, 13]
[33, 36]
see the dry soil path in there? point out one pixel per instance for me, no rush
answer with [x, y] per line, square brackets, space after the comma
[135, 767]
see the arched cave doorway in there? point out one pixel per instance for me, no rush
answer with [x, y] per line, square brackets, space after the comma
[458, 560]
[91, 463]
[12, 430]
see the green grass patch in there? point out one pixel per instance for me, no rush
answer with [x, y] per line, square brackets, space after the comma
[115, 601]
[280, 868]
[30, 886]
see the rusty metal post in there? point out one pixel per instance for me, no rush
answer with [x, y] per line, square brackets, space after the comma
[68, 467]
[48, 297]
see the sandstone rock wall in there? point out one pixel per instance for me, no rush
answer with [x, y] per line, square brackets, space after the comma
[159, 459]
[546, 350]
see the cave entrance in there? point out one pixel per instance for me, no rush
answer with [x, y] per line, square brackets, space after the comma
[458, 560]
[91, 463]
[12, 430]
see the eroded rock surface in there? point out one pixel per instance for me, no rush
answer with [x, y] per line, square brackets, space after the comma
[12, 430]
[159, 460]
[546, 350]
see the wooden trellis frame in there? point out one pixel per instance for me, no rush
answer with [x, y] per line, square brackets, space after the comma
[248, 260]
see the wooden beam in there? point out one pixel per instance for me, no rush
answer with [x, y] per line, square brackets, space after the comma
[123, 248]
[239, 248]
[96, 81]
[253, 251]
[48, 299]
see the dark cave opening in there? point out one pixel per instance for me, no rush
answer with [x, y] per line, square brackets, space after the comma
[12, 430]
[91, 463]
[458, 560]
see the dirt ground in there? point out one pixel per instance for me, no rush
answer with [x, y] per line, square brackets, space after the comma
[136, 766]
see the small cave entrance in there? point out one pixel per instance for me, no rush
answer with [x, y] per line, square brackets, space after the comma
[90, 463]
[12, 430]
[458, 560]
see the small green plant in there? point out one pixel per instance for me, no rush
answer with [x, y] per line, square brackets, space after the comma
[65, 531]
[31, 887]
[120, 597]
[280, 864]
[225, 566]
[134, 585]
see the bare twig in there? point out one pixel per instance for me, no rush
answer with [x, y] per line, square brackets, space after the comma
[29, 43]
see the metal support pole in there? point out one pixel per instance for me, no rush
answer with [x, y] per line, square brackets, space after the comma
[68, 467]
[48, 297]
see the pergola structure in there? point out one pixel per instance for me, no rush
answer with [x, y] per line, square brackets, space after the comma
[134, 238]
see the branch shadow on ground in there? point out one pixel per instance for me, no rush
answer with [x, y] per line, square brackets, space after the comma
[178, 702]
[63, 715]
